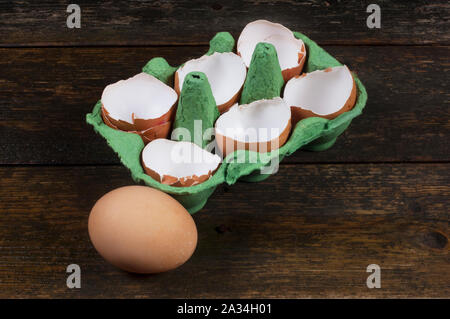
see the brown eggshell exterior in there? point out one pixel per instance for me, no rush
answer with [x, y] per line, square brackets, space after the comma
[176, 83]
[118, 124]
[162, 130]
[142, 230]
[222, 107]
[107, 121]
[142, 125]
[177, 182]
[299, 114]
[224, 141]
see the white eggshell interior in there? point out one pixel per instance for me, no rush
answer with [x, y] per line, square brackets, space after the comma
[284, 41]
[259, 121]
[226, 74]
[320, 92]
[142, 95]
[178, 159]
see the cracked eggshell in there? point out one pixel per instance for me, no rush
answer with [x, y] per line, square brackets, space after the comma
[226, 74]
[148, 135]
[178, 163]
[290, 50]
[322, 93]
[139, 104]
[155, 132]
[261, 126]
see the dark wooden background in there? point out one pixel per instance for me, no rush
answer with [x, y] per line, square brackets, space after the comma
[380, 195]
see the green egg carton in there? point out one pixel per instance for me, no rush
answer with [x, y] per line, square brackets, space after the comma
[314, 133]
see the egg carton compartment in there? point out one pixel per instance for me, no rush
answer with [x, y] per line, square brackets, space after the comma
[313, 133]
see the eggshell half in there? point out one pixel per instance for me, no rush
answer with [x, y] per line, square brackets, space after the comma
[138, 104]
[323, 93]
[233, 127]
[291, 51]
[143, 230]
[178, 163]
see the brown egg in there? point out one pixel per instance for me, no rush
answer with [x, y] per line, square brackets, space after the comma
[143, 230]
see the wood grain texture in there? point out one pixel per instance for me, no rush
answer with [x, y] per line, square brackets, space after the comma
[45, 94]
[379, 195]
[313, 235]
[43, 23]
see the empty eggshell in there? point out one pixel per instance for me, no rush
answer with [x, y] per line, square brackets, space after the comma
[322, 93]
[143, 230]
[290, 50]
[138, 104]
[261, 126]
[178, 163]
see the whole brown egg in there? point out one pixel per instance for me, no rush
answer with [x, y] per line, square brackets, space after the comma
[143, 230]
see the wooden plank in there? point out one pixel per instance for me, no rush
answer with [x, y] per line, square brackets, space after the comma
[313, 235]
[46, 93]
[43, 23]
